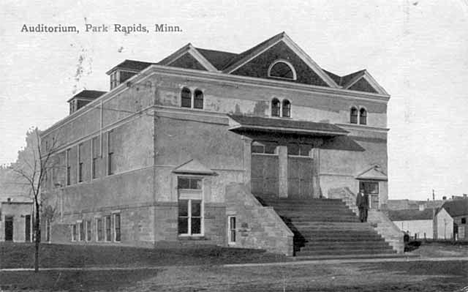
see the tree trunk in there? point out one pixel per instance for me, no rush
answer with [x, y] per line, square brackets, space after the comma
[37, 231]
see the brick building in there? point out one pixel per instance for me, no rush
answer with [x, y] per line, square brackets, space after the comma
[184, 150]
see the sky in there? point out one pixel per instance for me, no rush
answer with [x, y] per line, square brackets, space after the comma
[417, 50]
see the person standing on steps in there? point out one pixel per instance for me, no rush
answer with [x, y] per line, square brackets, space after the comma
[362, 202]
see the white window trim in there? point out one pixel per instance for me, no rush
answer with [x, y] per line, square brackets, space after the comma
[230, 241]
[105, 228]
[192, 98]
[285, 62]
[74, 229]
[96, 222]
[189, 199]
[113, 213]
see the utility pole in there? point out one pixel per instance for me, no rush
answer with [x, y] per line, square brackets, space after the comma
[434, 221]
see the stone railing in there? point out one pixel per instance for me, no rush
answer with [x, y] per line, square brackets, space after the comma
[345, 194]
[257, 226]
[377, 219]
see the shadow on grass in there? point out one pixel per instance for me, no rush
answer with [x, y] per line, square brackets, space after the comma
[72, 280]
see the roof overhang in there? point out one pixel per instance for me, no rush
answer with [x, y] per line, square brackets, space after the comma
[240, 123]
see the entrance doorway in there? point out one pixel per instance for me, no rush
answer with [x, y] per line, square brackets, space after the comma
[371, 188]
[8, 228]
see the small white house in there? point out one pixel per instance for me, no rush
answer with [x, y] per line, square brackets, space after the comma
[418, 224]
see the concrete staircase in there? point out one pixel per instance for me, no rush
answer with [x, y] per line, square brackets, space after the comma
[327, 227]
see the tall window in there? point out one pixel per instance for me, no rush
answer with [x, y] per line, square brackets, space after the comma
[117, 227]
[282, 69]
[108, 228]
[353, 116]
[99, 229]
[74, 233]
[94, 156]
[67, 162]
[198, 99]
[88, 230]
[80, 163]
[363, 116]
[110, 153]
[82, 231]
[286, 108]
[186, 96]
[232, 229]
[190, 207]
[275, 107]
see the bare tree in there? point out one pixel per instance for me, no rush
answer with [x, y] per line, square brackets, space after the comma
[32, 166]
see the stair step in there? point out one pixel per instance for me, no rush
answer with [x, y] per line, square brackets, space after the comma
[327, 227]
[344, 252]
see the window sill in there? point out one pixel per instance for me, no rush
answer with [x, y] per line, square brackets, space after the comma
[192, 237]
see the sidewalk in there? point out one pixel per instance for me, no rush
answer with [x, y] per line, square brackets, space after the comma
[292, 263]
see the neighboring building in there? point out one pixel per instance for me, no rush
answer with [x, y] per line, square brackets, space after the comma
[418, 224]
[448, 221]
[406, 204]
[451, 219]
[16, 220]
[155, 158]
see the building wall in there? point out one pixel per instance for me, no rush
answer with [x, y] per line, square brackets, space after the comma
[153, 135]
[462, 227]
[444, 225]
[18, 211]
[420, 228]
[129, 190]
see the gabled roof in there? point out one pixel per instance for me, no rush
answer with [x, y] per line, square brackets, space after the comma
[219, 59]
[456, 207]
[88, 94]
[193, 52]
[259, 124]
[250, 54]
[131, 65]
[406, 215]
[373, 173]
[193, 166]
[254, 50]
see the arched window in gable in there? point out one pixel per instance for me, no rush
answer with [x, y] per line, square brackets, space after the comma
[363, 116]
[186, 96]
[275, 107]
[198, 99]
[353, 116]
[282, 69]
[286, 109]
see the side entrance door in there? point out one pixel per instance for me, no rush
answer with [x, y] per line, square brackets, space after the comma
[8, 228]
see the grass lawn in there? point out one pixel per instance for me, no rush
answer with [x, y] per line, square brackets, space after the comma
[21, 255]
[188, 269]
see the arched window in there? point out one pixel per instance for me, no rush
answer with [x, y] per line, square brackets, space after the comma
[275, 107]
[186, 96]
[198, 100]
[286, 108]
[363, 116]
[354, 116]
[282, 69]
